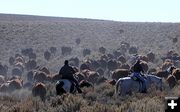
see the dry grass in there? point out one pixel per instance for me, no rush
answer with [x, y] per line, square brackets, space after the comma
[101, 99]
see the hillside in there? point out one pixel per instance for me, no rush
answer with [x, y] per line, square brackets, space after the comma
[19, 31]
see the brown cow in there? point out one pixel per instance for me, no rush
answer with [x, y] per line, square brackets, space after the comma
[53, 50]
[4, 87]
[17, 71]
[103, 63]
[30, 76]
[176, 73]
[40, 76]
[85, 83]
[145, 66]
[84, 66]
[168, 63]
[171, 81]
[120, 73]
[11, 60]
[31, 64]
[80, 76]
[74, 61]
[162, 73]
[45, 70]
[39, 89]
[122, 59]
[112, 65]
[133, 50]
[91, 76]
[102, 50]
[112, 82]
[11, 85]
[144, 58]
[47, 55]
[20, 59]
[3, 69]
[55, 77]
[100, 71]
[151, 56]
[15, 84]
[125, 66]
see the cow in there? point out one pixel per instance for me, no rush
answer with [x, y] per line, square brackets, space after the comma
[168, 63]
[151, 56]
[162, 73]
[111, 82]
[102, 50]
[2, 79]
[53, 50]
[122, 59]
[47, 55]
[3, 69]
[171, 79]
[119, 73]
[144, 65]
[40, 76]
[39, 89]
[31, 64]
[11, 85]
[74, 61]
[85, 83]
[66, 50]
[92, 76]
[133, 50]
[11, 60]
[17, 71]
[176, 73]
[112, 65]
[45, 70]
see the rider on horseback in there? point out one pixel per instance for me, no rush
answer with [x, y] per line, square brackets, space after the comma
[68, 72]
[137, 69]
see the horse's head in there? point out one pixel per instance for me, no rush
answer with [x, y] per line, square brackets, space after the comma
[155, 80]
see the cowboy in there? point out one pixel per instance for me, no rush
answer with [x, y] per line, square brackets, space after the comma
[137, 72]
[68, 72]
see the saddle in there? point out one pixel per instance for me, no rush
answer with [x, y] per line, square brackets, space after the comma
[135, 78]
[72, 86]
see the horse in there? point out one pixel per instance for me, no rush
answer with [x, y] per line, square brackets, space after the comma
[127, 85]
[67, 86]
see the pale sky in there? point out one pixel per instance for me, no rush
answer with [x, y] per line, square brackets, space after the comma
[118, 10]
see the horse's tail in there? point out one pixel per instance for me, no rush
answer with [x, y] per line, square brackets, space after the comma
[117, 87]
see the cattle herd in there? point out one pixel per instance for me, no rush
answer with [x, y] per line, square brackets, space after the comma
[23, 70]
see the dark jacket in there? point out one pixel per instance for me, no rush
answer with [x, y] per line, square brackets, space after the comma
[67, 72]
[137, 67]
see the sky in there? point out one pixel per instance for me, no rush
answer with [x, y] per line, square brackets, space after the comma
[117, 10]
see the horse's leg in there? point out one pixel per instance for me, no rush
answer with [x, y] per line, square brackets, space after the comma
[117, 88]
[59, 88]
